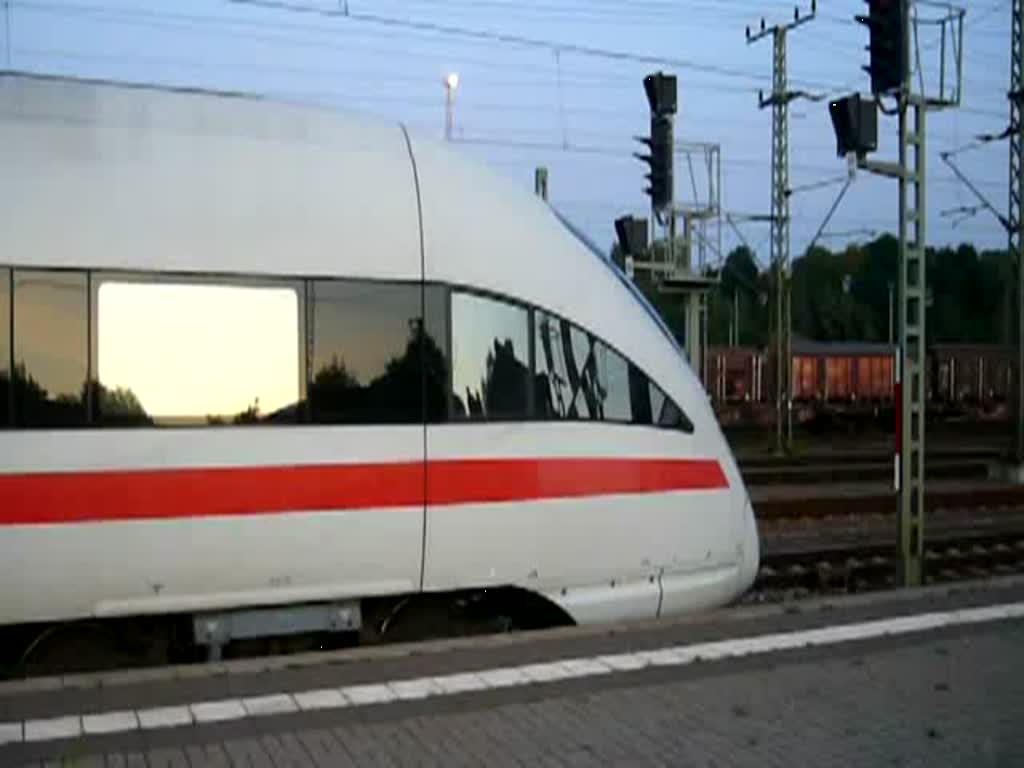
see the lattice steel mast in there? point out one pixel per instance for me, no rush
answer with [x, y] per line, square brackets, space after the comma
[779, 101]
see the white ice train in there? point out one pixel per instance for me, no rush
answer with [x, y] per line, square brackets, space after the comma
[256, 356]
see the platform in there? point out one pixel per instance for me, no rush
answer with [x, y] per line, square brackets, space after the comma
[933, 677]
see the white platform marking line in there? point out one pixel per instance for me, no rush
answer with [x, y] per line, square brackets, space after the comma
[322, 698]
[420, 688]
[586, 667]
[11, 733]
[662, 657]
[53, 728]
[110, 722]
[546, 672]
[460, 683]
[274, 704]
[164, 717]
[377, 693]
[503, 677]
[217, 711]
[623, 662]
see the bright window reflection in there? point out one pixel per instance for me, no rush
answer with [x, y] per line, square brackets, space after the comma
[206, 352]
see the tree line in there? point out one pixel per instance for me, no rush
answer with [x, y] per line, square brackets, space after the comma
[845, 295]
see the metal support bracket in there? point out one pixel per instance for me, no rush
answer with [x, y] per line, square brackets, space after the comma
[216, 629]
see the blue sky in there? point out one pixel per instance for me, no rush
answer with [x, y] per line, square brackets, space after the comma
[519, 106]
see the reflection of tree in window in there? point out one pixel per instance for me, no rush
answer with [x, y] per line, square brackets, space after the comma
[504, 385]
[50, 348]
[119, 407]
[578, 376]
[553, 391]
[640, 396]
[490, 358]
[585, 404]
[373, 360]
[435, 360]
[392, 397]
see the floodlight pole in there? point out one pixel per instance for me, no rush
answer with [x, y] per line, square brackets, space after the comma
[779, 101]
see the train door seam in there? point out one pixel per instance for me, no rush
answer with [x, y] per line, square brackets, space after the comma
[661, 592]
[423, 386]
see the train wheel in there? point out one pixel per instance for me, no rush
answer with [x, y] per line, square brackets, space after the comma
[462, 614]
[88, 646]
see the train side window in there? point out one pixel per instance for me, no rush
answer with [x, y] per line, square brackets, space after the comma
[367, 341]
[569, 378]
[490, 358]
[667, 413]
[436, 357]
[587, 400]
[6, 390]
[613, 384]
[51, 349]
[640, 396]
[553, 395]
[587, 380]
[197, 353]
[578, 376]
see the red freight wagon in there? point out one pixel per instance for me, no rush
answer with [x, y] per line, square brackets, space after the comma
[842, 371]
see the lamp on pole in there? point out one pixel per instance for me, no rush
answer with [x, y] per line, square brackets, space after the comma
[451, 83]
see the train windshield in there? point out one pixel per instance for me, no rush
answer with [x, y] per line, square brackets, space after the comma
[630, 286]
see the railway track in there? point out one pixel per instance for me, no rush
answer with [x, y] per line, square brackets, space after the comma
[845, 500]
[864, 465]
[814, 556]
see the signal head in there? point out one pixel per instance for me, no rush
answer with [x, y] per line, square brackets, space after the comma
[661, 93]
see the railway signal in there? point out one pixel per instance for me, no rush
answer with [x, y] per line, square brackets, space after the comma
[855, 121]
[632, 234]
[887, 23]
[661, 93]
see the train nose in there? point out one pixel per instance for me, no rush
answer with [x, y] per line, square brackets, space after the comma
[750, 559]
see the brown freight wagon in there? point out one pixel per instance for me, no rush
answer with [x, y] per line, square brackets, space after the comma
[843, 372]
[735, 375]
[970, 374]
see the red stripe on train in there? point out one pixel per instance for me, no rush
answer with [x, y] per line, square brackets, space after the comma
[458, 482]
[72, 497]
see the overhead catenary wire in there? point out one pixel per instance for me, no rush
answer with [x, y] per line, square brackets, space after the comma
[578, 137]
[514, 39]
